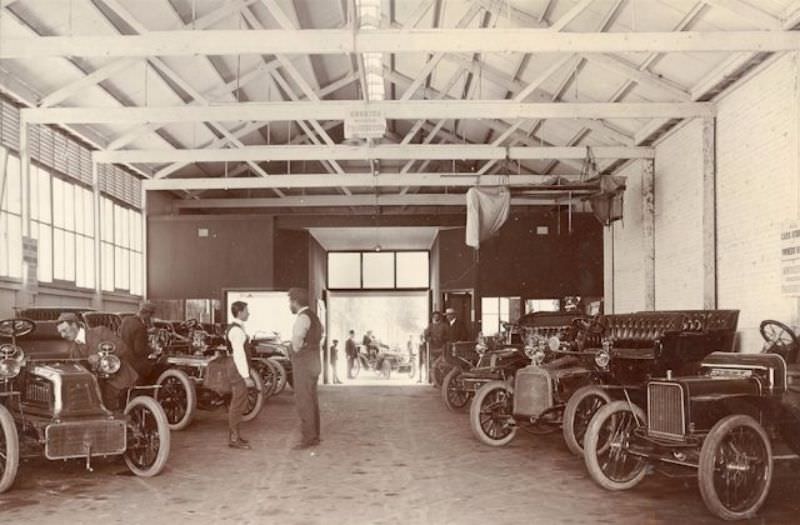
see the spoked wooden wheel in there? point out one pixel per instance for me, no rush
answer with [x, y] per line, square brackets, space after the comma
[579, 411]
[9, 449]
[268, 375]
[605, 446]
[735, 468]
[255, 397]
[491, 414]
[148, 437]
[453, 394]
[178, 398]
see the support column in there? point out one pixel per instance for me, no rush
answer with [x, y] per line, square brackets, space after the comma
[97, 299]
[144, 244]
[709, 214]
[25, 297]
[649, 233]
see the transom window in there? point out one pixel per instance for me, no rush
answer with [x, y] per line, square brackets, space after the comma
[378, 270]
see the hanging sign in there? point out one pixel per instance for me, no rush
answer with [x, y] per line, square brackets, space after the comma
[365, 123]
[790, 259]
[30, 260]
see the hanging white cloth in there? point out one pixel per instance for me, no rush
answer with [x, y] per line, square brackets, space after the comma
[487, 211]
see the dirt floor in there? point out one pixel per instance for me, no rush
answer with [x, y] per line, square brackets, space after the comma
[390, 454]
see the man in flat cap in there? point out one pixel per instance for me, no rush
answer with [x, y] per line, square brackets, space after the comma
[134, 332]
[85, 343]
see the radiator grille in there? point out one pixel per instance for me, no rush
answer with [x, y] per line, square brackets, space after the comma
[39, 393]
[533, 392]
[75, 440]
[665, 410]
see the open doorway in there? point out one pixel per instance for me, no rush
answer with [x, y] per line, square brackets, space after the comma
[396, 320]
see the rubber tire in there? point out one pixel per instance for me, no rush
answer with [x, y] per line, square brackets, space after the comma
[266, 369]
[256, 377]
[9, 429]
[475, 413]
[568, 425]
[448, 379]
[705, 471]
[280, 386]
[163, 437]
[191, 397]
[590, 446]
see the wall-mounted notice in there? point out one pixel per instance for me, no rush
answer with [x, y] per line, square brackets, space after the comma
[790, 259]
[365, 124]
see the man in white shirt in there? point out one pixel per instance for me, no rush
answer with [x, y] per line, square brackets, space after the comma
[237, 339]
[306, 366]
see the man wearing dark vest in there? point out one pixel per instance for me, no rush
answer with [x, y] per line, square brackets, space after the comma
[238, 374]
[306, 366]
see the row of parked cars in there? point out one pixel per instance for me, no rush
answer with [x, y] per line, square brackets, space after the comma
[641, 392]
[51, 405]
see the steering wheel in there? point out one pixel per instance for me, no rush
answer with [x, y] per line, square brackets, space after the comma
[13, 328]
[189, 324]
[780, 339]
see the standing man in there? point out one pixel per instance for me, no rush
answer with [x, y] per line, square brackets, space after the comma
[436, 335]
[306, 367]
[238, 373]
[134, 332]
[455, 327]
[334, 357]
[351, 350]
[84, 345]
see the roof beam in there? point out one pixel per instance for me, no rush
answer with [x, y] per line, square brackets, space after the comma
[338, 41]
[353, 180]
[379, 152]
[352, 200]
[114, 67]
[339, 110]
[749, 12]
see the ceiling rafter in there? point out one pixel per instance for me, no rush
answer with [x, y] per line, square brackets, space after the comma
[162, 67]
[338, 41]
[368, 152]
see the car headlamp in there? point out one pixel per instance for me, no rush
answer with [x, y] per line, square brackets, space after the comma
[480, 349]
[554, 343]
[538, 357]
[108, 364]
[602, 358]
[9, 368]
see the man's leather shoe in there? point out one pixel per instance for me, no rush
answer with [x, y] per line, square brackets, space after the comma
[243, 441]
[306, 445]
[239, 445]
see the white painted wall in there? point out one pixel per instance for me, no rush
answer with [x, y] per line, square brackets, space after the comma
[758, 188]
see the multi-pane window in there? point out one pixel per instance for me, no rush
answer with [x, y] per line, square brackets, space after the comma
[121, 248]
[62, 221]
[498, 310]
[11, 219]
[378, 270]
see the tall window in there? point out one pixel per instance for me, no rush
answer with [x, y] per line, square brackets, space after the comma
[498, 310]
[11, 220]
[73, 230]
[378, 270]
[121, 248]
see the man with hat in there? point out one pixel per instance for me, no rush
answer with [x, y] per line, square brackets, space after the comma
[134, 332]
[84, 345]
[455, 327]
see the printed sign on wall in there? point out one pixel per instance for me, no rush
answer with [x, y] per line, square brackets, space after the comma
[790, 259]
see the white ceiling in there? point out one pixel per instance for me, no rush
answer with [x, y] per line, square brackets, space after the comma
[389, 238]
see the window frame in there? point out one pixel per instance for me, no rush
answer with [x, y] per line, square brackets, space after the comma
[361, 287]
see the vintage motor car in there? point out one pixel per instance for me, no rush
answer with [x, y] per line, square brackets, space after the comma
[500, 357]
[270, 355]
[626, 350]
[51, 406]
[719, 425]
[179, 369]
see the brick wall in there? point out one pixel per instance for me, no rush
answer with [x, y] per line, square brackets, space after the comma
[679, 219]
[758, 168]
[624, 288]
[757, 190]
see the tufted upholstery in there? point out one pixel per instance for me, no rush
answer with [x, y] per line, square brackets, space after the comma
[645, 330]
